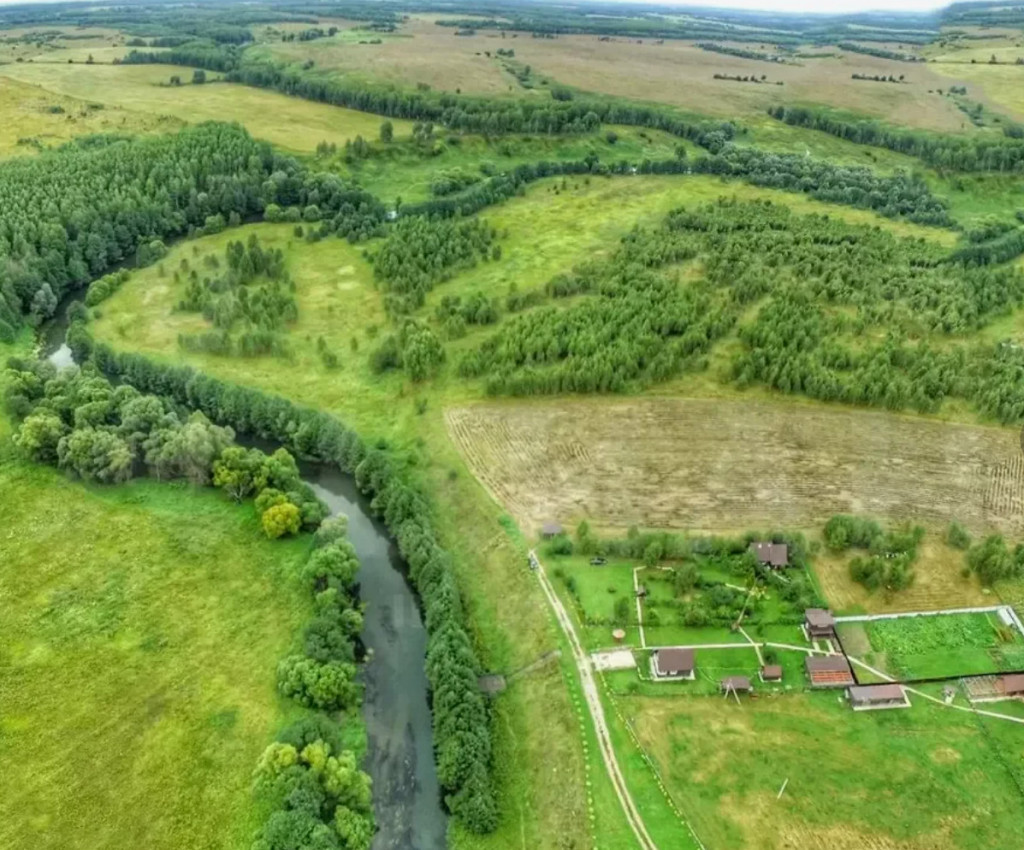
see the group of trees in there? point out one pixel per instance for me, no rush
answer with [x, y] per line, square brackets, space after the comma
[965, 153]
[991, 561]
[234, 297]
[743, 53]
[79, 421]
[747, 78]
[878, 78]
[462, 724]
[889, 563]
[414, 347]
[880, 52]
[419, 252]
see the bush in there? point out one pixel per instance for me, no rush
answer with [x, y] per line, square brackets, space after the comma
[957, 536]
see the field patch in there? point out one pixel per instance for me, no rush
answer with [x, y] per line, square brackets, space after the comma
[733, 465]
[888, 780]
[289, 122]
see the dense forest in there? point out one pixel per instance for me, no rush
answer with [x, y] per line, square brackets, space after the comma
[944, 152]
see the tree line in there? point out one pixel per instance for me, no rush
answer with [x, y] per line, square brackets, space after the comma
[743, 53]
[942, 151]
[879, 52]
[462, 723]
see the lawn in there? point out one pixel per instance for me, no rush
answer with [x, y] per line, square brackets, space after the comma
[881, 780]
[141, 631]
[289, 122]
[935, 646]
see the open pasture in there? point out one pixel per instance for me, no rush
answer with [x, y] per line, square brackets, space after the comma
[40, 118]
[927, 778]
[291, 123]
[734, 464]
[141, 631]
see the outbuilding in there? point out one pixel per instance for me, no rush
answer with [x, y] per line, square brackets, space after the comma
[674, 663]
[551, 529]
[736, 685]
[870, 697]
[819, 623]
[771, 673]
[829, 671]
[1011, 685]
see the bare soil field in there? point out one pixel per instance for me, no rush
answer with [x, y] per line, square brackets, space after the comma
[721, 465]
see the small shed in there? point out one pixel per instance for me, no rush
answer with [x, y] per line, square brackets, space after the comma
[771, 673]
[871, 697]
[641, 591]
[829, 671]
[674, 663]
[551, 529]
[774, 555]
[736, 685]
[1011, 685]
[819, 623]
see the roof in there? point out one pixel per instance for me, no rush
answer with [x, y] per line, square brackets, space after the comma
[771, 671]
[827, 664]
[820, 618]
[1013, 684]
[776, 554]
[551, 528]
[736, 683]
[876, 693]
[675, 658]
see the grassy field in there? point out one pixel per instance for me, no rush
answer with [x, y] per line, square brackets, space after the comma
[40, 118]
[291, 123]
[936, 646]
[142, 627]
[674, 72]
[867, 781]
[566, 460]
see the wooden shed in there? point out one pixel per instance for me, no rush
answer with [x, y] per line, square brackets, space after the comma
[774, 555]
[736, 685]
[551, 529]
[771, 673]
[1011, 685]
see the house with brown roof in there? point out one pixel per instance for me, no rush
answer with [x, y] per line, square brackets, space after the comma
[673, 663]
[771, 673]
[1011, 685]
[819, 623]
[774, 555]
[829, 671]
[736, 685]
[873, 697]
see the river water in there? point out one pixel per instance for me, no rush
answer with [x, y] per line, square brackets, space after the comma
[400, 754]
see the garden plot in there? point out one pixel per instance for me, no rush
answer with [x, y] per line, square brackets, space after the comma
[936, 646]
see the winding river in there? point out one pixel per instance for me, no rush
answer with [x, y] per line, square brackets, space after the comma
[400, 756]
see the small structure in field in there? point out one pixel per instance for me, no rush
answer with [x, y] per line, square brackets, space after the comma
[551, 529]
[736, 685]
[873, 697]
[641, 591]
[619, 635]
[829, 671]
[774, 555]
[1011, 685]
[771, 673]
[673, 663]
[819, 623]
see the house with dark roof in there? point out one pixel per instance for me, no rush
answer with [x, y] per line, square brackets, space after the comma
[736, 685]
[673, 663]
[771, 673]
[819, 623]
[872, 697]
[1011, 685]
[774, 555]
[829, 671]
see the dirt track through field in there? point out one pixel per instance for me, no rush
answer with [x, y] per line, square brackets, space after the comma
[730, 464]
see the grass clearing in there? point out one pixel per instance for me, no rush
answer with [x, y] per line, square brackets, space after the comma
[141, 632]
[886, 780]
[289, 122]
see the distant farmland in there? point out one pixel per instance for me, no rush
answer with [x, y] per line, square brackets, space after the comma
[732, 465]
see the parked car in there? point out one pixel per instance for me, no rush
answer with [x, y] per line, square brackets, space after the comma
[597, 562]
